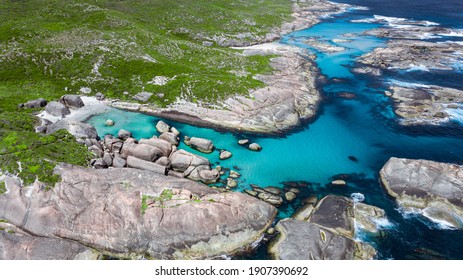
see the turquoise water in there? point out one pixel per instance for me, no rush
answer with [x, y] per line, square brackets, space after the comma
[363, 128]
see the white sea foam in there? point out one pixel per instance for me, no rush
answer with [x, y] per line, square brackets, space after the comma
[455, 114]
[365, 20]
[396, 22]
[413, 67]
[389, 19]
[409, 213]
[453, 33]
[92, 107]
[357, 197]
[441, 224]
[407, 85]
[257, 242]
[412, 213]
[383, 223]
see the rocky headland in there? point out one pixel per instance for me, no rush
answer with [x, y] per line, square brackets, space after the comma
[289, 97]
[433, 188]
[406, 50]
[326, 231]
[423, 104]
[126, 213]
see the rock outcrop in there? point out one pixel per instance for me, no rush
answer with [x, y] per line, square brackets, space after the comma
[71, 100]
[327, 231]
[79, 129]
[434, 188]
[36, 103]
[423, 104]
[57, 109]
[300, 240]
[201, 144]
[289, 97]
[128, 213]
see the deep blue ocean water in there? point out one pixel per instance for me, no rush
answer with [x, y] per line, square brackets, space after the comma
[364, 128]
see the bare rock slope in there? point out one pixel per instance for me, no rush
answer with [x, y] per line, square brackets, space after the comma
[128, 213]
[435, 188]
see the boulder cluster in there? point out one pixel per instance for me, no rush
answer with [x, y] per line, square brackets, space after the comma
[156, 154]
[273, 195]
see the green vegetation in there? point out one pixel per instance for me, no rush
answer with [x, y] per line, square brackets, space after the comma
[2, 188]
[166, 195]
[144, 203]
[120, 48]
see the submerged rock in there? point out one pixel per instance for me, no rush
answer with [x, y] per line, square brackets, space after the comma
[130, 213]
[434, 188]
[234, 174]
[231, 183]
[290, 196]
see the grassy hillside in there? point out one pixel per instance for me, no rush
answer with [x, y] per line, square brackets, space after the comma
[120, 48]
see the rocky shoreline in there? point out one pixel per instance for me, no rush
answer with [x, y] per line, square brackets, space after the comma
[326, 231]
[407, 50]
[289, 97]
[291, 94]
[435, 189]
[127, 213]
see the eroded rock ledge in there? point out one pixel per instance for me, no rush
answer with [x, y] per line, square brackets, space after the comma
[434, 188]
[425, 104]
[290, 96]
[327, 231]
[127, 213]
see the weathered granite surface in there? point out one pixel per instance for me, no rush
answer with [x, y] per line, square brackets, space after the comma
[129, 213]
[327, 231]
[424, 104]
[289, 97]
[435, 188]
[301, 240]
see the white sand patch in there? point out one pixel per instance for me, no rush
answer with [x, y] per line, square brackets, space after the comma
[92, 107]
[160, 80]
